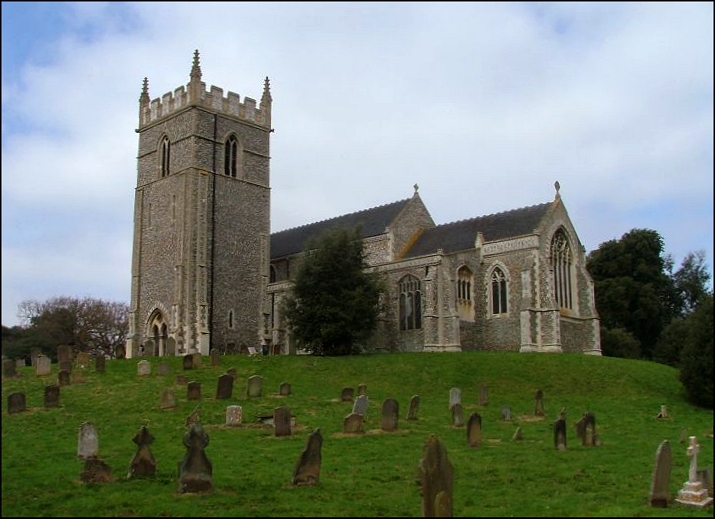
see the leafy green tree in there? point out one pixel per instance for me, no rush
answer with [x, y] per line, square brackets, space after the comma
[696, 360]
[618, 342]
[691, 282]
[334, 303]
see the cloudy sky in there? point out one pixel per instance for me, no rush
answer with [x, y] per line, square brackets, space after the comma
[483, 105]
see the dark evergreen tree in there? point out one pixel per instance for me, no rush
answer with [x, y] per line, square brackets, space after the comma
[696, 359]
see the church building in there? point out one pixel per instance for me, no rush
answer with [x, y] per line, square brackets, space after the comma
[207, 273]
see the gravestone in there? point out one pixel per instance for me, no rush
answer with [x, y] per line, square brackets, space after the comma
[16, 403]
[96, 471]
[170, 347]
[120, 352]
[660, 483]
[193, 417]
[663, 412]
[362, 389]
[354, 424]
[518, 435]
[188, 361]
[182, 380]
[457, 415]
[232, 372]
[34, 353]
[83, 359]
[20, 363]
[693, 493]
[255, 386]
[9, 368]
[52, 395]
[149, 348]
[193, 390]
[346, 395]
[78, 377]
[455, 397]
[284, 389]
[483, 395]
[586, 429]
[506, 414]
[142, 463]
[307, 469]
[100, 363]
[224, 387]
[281, 421]
[168, 399]
[560, 434]
[143, 368]
[66, 365]
[474, 430]
[390, 414]
[360, 405]
[64, 353]
[683, 435]
[414, 407]
[197, 360]
[87, 441]
[436, 479]
[234, 415]
[195, 469]
[215, 359]
[43, 367]
[163, 369]
[63, 378]
[539, 405]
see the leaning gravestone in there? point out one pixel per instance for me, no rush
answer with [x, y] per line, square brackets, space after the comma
[506, 414]
[87, 441]
[660, 484]
[539, 405]
[193, 390]
[224, 387]
[455, 397]
[354, 424]
[9, 368]
[560, 434]
[52, 395]
[361, 404]
[436, 479]
[63, 378]
[168, 399]
[413, 408]
[234, 415]
[100, 363]
[346, 395]
[143, 368]
[474, 430]
[483, 395]
[255, 385]
[586, 429]
[457, 415]
[390, 414]
[42, 368]
[284, 389]
[195, 469]
[281, 421]
[16, 403]
[64, 353]
[143, 463]
[307, 469]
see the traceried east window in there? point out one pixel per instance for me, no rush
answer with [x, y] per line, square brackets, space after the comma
[410, 303]
[499, 292]
[561, 265]
[231, 158]
[165, 156]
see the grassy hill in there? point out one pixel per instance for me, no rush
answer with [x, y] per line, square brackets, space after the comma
[373, 474]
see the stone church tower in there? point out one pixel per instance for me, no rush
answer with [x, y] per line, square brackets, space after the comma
[200, 258]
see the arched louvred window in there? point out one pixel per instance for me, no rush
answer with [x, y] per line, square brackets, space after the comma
[231, 157]
[410, 303]
[499, 292]
[165, 159]
[562, 265]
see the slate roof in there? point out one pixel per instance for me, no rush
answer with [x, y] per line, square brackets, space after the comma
[461, 235]
[373, 222]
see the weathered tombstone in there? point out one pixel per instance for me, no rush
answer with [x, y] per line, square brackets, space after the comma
[96, 471]
[683, 435]
[143, 463]
[9, 368]
[143, 368]
[82, 359]
[43, 367]
[307, 469]
[506, 414]
[215, 359]
[455, 397]
[346, 395]
[255, 386]
[20, 363]
[224, 387]
[52, 395]
[197, 360]
[170, 347]
[362, 389]
[63, 378]
[66, 365]
[483, 395]
[660, 483]
[474, 430]
[64, 353]
[663, 412]
[390, 414]
[34, 353]
[414, 407]
[16, 403]
[586, 429]
[100, 363]
[705, 476]
[518, 435]
[560, 434]
[193, 390]
[149, 348]
[436, 479]
[188, 361]
[693, 492]
[78, 377]
[457, 415]
[354, 424]
[195, 469]
[539, 405]
[168, 399]
[281, 421]
[182, 380]
[232, 371]
[87, 441]
[284, 389]
[360, 405]
[163, 369]
[120, 352]
[193, 417]
[234, 415]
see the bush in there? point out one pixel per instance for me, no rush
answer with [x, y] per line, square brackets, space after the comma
[619, 342]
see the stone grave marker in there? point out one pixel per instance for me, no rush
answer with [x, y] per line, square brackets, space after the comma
[182, 380]
[78, 377]
[683, 435]
[64, 353]
[9, 368]
[281, 421]
[224, 387]
[82, 359]
[66, 365]
[483, 395]
[346, 395]
[663, 412]
[195, 469]
[390, 414]
[34, 353]
[16, 402]
[693, 493]
[188, 361]
[87, 441]
[168, 399]
[63, 378]
[455, 397]
[360, 405]
[413, 408]
[284, 389]
[457, 415]
[474, 430]
[307, 469]
[255, 386]
[193, 418]
[354, 424]
[96, 471]
[149, 348]
[234, 415]
[120, 352]
[506, 414]
[100, 363]
[586, 429]
[143, 368]
[215, 358]
[52, 395]
[518, 434]
[539, 405]
[142, 464]
[193, 390]
[43, 367]
[660, 483]
[560, 434]
[362, 389]
[170, 347]
[163, 369]
[197, 360]
[436, 479]
[20, 363]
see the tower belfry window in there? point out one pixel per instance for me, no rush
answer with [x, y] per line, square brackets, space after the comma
[165, 156]
[230, 164]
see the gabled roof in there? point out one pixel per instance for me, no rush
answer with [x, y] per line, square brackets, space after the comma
[373, 222]
[461, 235]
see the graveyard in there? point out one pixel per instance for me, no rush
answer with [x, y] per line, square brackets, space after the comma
[526, 435]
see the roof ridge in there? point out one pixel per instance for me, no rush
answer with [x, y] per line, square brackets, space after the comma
[494, 214]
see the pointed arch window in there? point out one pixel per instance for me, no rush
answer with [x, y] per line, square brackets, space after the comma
[562, 265]
[410, 303]
[464, 284]
[231, 161]
[499, 292]
[165, 156]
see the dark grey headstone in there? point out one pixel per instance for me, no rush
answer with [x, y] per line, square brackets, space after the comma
[506, 414]
[63, 378]
[586, 429]
[390, 414]
[195, 469]
[16, 403]
[361, 404]
[413, 408]
[188, 361]
[142, 463]
[281, 421]
[436, 478]
[193, 390]
[307, 469]
[193, 418]
[100, 363]
[539, 404]
[560, 434]
[52, 395]
[284, 389]
[64, 353]
[224, 387]
[474, 430]
[120, 352]
[346, 395]
[660, 484]
[215, 358]
[96, 471]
